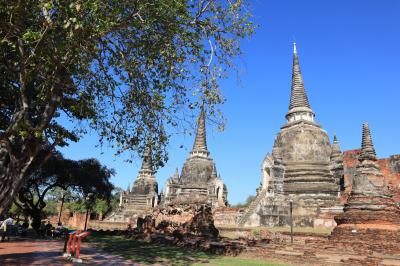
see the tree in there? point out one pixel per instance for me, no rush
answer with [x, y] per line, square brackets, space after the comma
[249, 200]
[15, 211]
[129, 69]
[103, 207]
[79, 177]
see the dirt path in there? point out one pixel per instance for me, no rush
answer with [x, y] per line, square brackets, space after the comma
[49, 252]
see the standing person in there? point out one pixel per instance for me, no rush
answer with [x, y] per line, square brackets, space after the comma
[6, 228]
[1, 227]
[42, 230]
[25, 226]
[48, 228]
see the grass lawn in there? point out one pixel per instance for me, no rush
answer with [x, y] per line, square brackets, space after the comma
[319, 230]
[149, 254]
[237, 261]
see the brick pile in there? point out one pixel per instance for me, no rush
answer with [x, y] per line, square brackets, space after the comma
[371, 218]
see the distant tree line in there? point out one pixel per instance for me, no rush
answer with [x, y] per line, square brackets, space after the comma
[246, 203]
[68, 180]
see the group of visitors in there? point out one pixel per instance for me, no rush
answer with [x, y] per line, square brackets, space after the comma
[10, 227]
[6, 228]
[48, 230]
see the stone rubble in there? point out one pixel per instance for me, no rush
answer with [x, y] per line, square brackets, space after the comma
[199, 179]
[192, 226]
[371, 218]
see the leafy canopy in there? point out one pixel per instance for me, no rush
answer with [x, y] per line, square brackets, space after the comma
[78, 178]
[129, 69]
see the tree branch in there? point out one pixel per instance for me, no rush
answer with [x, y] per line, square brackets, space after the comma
[41, 198]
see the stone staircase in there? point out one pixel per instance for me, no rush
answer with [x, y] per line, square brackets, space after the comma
[139, 202]
[137, 205]
[116, 216]
[251, 208]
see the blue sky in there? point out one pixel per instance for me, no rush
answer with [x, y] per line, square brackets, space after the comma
[349, 55]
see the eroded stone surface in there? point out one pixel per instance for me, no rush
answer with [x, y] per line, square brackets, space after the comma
[193, 226]
[198, 181]
[304, 168]
[371, 217]
[142, 197]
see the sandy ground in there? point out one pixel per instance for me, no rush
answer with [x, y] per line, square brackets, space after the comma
[49, 252]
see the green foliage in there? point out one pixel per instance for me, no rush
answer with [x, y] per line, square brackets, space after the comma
[77, 206]
[249, 200]
[130, 69]
[114, 203]
[16, 210]
[246, 204]
[149, 254]
[100, 206]
[50, 209]
[60, 177]
[56, 194]
[256, 232]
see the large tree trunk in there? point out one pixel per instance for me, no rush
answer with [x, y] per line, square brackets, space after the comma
[15, 170]
[36, 219]
[11, 181]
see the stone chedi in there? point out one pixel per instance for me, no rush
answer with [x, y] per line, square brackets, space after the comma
[198, 181]
[371, 215]
[144, 192]
[142, 197]
[304, 167]
[336, 164]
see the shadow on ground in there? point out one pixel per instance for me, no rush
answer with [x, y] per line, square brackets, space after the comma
[148, 253]
[38, 258]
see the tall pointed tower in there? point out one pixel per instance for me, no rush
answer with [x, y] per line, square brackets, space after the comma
[371, 213]
[336, 164]
[367, 147]
[299, 107]
[144, 192]
[200, 143]
[142, 197]
[300, 168]
[304, 145]
[198, 181]
[368, 179]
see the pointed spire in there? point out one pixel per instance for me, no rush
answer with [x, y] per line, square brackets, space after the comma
[336, 154]
[147, 163]
[367, 147]
[298, 99]
[298, 94]
[200, 142]
[176, 175]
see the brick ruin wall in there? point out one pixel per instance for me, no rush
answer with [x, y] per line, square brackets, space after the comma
[227, 216]
[390, 168]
